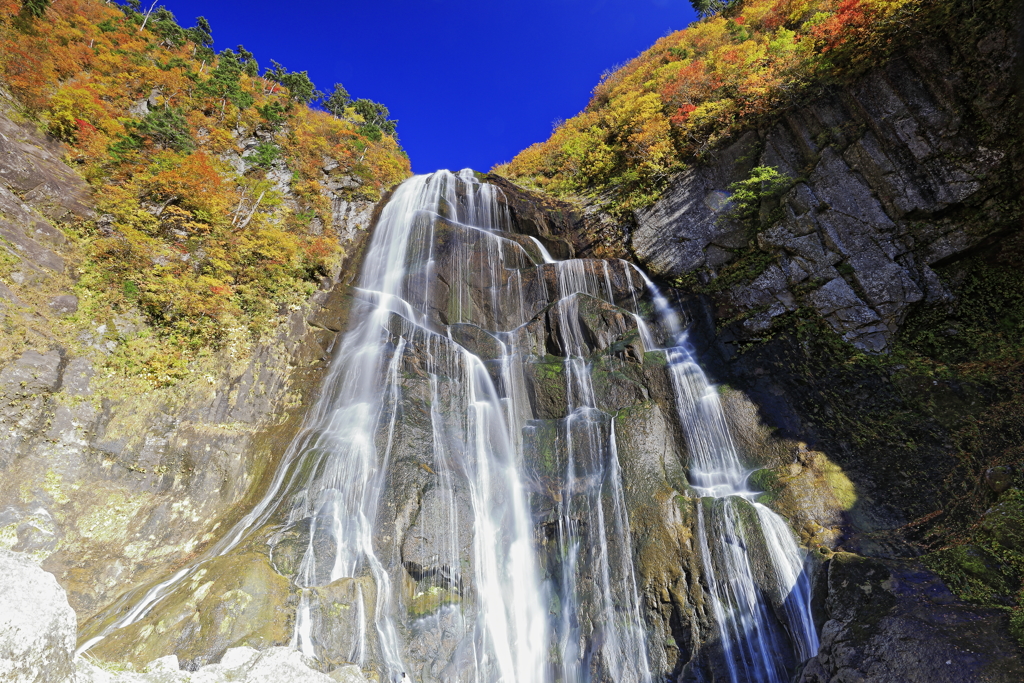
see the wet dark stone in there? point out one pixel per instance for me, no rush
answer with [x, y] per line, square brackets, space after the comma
[998, 479]
[896, 622]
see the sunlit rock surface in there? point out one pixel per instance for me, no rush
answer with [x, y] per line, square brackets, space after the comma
[238, 665]
[885, 171]
[37, 626]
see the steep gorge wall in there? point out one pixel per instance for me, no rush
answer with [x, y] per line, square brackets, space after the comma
[866, 319]
[910, 166]
[903, 175]
[880, 614]
[110, 481]
[901, 181]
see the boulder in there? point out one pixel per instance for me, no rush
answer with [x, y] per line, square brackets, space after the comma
[1004, 522]
[998, 479]
[32, 373]
[37, 626]
[65, 304]
[232, 600]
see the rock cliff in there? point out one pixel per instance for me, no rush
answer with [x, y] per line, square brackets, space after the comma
[908, 167]
[108, 480]
[899, 188]
[851, 314]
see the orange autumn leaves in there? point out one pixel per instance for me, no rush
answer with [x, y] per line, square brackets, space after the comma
[693, 89]
[201, 239]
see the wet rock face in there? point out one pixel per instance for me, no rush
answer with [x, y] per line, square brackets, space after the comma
[891, 621]
[38, 630]
[884, 171]
[37, 626]
[231, 601]
[425, 534]
[427, 520]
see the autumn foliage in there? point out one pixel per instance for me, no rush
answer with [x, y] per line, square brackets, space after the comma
[696, 87]
[209, 175]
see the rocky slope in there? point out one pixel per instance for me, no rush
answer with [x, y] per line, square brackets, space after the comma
[107, 480]
[38, 633]
[903, 190]
[908, 167]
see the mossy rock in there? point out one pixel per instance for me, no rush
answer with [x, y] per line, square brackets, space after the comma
[813, 493]
[476, 340]
[288, 546]
[1004, 522]
[615, 390]
[542, 449]
[230, 601]
[429, 600]
[735, 520]
[974, 574]
[340, 613]
[767, 481]
[546, 384]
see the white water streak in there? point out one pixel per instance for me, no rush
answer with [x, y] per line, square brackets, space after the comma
[752, 642]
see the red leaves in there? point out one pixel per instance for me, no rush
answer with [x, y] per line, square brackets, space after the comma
[683, 113]
[691, 83]
[29, 71]
[849, 20]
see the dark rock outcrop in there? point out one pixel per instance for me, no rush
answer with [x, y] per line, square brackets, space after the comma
[901, 170]
[895, 622]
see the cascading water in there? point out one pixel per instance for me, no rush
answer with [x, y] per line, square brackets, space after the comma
[466, 527]
[753, 647]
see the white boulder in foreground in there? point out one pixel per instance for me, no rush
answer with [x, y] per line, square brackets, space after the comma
[37, 625]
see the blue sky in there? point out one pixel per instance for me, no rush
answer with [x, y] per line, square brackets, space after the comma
[471, 82]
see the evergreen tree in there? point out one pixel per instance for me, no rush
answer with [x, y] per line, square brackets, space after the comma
[249, 64]
[376, 115]
[338, 100]
[163, 23]
[35, 8]
[300, 87]
[705, 8]
[225, 81]
[201, 34]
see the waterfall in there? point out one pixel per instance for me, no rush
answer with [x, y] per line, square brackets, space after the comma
[464, 531]
[753, 639]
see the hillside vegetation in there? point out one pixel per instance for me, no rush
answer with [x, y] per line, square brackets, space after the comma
[209, 176]
[695, 88]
